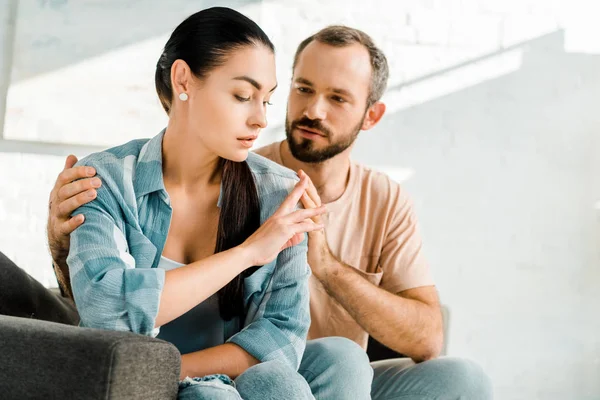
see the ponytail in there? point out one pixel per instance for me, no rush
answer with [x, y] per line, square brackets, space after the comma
[239, 218]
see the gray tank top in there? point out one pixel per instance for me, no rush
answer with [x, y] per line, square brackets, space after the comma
[200, 328]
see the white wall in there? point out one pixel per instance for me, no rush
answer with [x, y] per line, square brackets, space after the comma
[491, 121]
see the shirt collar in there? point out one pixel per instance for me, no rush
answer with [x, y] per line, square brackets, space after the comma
[149, 175]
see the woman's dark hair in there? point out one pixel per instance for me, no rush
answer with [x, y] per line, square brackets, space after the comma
[204, 41]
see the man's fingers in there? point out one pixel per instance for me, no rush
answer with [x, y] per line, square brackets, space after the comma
[307, 202]
[307, 226]
[305, 214]
[74, 188]
[311, 189]
[74, 173]
[65, 208]
[73, 223]
[65, 228]
[293, 198]
[70, 161]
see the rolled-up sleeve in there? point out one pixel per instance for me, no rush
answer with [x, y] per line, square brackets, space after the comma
[280, 325]
[277, 324]
[109, 291]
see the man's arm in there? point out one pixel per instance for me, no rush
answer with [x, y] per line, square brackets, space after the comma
[408, 321]
[74, 187]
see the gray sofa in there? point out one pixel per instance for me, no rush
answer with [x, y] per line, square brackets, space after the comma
[40, 359]
[47, 360]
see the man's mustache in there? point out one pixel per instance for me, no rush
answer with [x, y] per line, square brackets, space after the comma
[311, 124]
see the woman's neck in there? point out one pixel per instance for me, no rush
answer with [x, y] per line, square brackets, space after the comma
[187, 163]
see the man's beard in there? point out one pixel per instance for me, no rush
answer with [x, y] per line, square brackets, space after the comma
[303, 149]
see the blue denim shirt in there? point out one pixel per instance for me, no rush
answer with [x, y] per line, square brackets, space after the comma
[114, 254]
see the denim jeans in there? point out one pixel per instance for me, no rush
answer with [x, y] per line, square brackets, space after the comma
[331, 368]
[445, 378]
[336, 368]
[267, 380]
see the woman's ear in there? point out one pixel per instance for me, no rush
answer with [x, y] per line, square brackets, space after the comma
[181, 78]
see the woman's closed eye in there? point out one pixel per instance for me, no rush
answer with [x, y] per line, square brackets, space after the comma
[246, 99]
[241, 98]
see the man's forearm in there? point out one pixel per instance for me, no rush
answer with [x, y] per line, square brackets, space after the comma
[228, 359]
[61, 271]
[407, 326]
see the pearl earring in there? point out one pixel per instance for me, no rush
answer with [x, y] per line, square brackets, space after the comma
[183, 96]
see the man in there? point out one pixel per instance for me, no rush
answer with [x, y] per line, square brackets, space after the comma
[370, 276]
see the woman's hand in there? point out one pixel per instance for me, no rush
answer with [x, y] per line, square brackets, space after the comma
[285, 228]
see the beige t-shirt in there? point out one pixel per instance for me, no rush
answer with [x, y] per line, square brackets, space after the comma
[371, 227]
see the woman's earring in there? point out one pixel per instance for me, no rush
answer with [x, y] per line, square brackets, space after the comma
[183, 96]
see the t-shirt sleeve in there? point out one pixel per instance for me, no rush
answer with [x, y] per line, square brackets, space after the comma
[402, 258]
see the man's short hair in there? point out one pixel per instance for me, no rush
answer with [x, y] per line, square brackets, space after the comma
[341, 36]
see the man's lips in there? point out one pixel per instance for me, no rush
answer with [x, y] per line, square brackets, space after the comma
[309, 130]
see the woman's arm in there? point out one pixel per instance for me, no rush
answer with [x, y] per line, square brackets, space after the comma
[278, 325]
[228, 359]
[182, 292]
[111, 293]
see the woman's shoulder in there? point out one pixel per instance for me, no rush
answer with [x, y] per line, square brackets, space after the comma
[269, 172]
[273, 183]
[112, 160]
[116, 169]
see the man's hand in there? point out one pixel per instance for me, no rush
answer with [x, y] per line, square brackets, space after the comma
[67, 195]
[319, 254]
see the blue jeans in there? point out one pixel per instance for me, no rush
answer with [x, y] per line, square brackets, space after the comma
[267, 380]
[336, 368]
[331, 368]
[445, 378]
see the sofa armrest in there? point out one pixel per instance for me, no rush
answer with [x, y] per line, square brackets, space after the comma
[41, 359]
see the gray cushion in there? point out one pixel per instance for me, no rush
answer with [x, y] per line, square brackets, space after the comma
[46, 360]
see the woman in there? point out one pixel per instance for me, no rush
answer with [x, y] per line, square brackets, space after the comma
[191, 238]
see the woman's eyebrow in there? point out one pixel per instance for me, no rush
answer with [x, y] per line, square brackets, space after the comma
[253, 82]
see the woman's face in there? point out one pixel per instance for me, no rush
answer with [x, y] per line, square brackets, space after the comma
[227, 109]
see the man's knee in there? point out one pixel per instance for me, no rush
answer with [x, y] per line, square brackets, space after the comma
[463, 378]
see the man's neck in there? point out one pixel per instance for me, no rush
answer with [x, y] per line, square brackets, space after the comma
[329, 177]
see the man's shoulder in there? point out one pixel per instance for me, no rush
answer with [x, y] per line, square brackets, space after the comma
[381, 195]
[376, 182]
[270, 151]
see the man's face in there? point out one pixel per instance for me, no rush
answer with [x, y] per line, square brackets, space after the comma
[327, 101]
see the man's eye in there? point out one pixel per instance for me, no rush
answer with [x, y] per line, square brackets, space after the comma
[338, 99]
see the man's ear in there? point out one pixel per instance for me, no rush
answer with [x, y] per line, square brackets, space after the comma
[373, 116]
